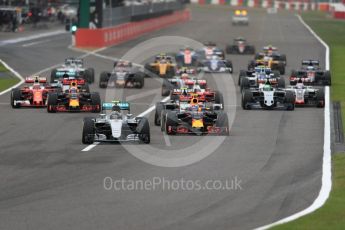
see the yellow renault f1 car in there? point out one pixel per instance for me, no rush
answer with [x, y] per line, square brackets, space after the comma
[270, 58]
[162, 66]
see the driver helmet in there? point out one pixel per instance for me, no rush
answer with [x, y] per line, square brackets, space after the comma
[184, 76]
[310, 68]
[36, 86]
[116, 112]
[300, 84]
[267, 87]
[214, 57]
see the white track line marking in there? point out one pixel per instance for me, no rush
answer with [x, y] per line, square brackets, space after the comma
[88, 148]
[41, 42]
[326, 183]
[32, 37]
[149, 110]
[15, 74]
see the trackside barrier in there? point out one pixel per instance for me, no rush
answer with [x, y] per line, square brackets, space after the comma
[124, 32]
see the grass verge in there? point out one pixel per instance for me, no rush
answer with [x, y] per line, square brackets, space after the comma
[6, 78]
[331, 215]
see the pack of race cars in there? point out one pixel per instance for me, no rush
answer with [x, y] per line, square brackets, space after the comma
[193, 107]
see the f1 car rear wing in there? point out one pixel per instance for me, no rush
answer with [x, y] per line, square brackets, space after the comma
[67, 81]
[68, 73]
[310, 63]
[122, 104]
[35, 80]
[75, 61]
[266, 48]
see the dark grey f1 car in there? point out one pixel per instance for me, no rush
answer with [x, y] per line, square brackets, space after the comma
[240, 46]
[124, 75]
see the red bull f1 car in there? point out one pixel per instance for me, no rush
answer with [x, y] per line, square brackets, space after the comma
[74, 100]
[192, 118]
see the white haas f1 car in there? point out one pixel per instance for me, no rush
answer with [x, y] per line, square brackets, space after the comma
[311, 74]
[192, 118]
[217, 65]
[267, 97]
[124, 75]
[308, 95]
[180, 82]
[118, 126]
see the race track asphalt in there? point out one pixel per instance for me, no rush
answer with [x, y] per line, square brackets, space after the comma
[47, 182]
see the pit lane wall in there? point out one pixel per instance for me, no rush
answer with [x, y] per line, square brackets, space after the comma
[114, 35]
[336, 9]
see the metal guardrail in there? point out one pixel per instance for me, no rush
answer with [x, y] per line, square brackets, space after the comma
[119, 15]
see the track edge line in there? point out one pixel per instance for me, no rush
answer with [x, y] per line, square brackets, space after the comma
[15, 74]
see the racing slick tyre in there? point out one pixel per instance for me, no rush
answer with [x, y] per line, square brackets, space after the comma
[320, 98]
[86, 88]
[281, 69]
[143, 129]
[89, 75]
[246, 98]
[228, 64]
[218, 98]
[174, 97]
[96, 102]
[283, 59]
[251, 50]
[243, 74]
[15, 96]
[231, 50]
[170, 122]
[53, 75]
[290, 100]
[223, 122]
[166, 88]
[170, 73]
[163, 119]
[276, 74]
[244, 84]
[158, 112]
[251, 65]
[88, 135]
[293, 74]
[52, 102]
[103, 80]
[140, 80]
[281, 83]
[327, 78]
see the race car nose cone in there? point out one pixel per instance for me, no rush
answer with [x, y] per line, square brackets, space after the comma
[73, 103]
[197, 123]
